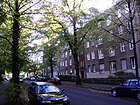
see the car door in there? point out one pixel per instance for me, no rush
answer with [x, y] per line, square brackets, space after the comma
[133, 87]
[123, 88]
[32, 92]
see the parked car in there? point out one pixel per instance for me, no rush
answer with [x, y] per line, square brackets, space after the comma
[55, 81]
[32, 78]
[44, 93]
[129, 88]
[42, 79]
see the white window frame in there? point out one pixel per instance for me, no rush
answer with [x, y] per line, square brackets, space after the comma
[102, 68]
[82, 63]
[93, 69]
[131, 45]
[108, 21]
[88, 56]
[70, 53]
[126, 8]
[111, 52]
[70, 62]
[122, 47]
[100, 54]
[112, 66]
[92, 42]
[124, 64]
[66, 54]
[132, 62]
[120, 30]
[119, 14]
[87, 45]
[66, 63]
[128, 25]
[100, 40]
[92, 55]
[89, 68]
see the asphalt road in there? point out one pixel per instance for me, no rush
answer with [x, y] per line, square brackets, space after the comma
[83, 96]
[80, 96]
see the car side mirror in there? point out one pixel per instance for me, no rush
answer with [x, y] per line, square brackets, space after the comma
[62, 90]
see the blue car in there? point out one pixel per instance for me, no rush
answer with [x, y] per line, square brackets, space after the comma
[129, 88]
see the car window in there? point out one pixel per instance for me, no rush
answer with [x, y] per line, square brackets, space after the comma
[32, 87]
[47, 89]
[133, 83]
[126, 83]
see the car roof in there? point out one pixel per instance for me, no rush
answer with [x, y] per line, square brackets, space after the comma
[42, 83]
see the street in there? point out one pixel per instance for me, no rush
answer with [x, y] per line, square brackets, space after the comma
[80, 96]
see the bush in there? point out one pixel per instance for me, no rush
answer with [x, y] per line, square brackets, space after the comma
[15, 94]
[124, 75]
[67, 78]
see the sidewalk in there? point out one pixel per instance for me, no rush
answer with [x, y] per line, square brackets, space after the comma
[99, 87]
[2, 96]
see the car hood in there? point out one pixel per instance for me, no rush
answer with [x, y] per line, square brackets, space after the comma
[52, 96]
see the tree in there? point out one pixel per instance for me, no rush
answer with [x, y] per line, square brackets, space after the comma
[68, 20]
[18, 15]
[51, 49]
[17, 12]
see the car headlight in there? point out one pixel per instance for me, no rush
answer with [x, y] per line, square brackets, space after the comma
[66, 99]
[45, 101]
[39, 98]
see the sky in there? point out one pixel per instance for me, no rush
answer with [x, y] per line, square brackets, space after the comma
[101, 5]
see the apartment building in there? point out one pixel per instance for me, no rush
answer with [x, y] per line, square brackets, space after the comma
[113, 51]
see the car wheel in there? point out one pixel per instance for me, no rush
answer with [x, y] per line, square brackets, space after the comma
[138, 96]
[114, 93]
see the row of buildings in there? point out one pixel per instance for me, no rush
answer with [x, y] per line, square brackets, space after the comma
[107, 55]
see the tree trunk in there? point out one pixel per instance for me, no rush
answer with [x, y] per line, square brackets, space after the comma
[15, 53]
[76, 63]
[51, 65]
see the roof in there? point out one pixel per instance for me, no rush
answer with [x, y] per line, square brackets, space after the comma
[42, 83]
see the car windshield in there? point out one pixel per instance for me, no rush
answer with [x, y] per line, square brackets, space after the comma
[48, 89]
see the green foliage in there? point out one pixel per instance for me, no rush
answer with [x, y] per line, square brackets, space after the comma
[15, 94]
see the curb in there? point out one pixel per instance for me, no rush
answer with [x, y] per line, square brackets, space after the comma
[87, 87]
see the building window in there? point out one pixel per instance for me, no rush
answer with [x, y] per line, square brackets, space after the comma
[111, 35]
[92, 42]
[123, 64]
[119, 13]
[70, 62]
[132, 62]
[112, 66]
[88, 56]
[66, 54]
[120, 30]
[108, 22]
[101, 68]
[131, 45]
[93, 55]
[93, 69]
[89, 69]
[70, 53]
[100, 54]
[66, 63]
[87, 45]
[126, 8]
[100, 40]
[122, 47]
[128, 25]
[111, 52]
[82, 63]
[99, 24]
